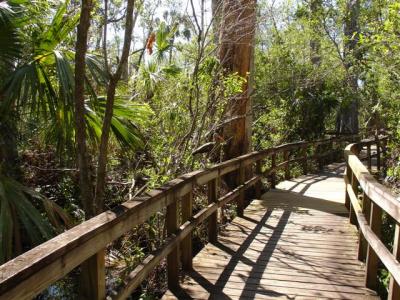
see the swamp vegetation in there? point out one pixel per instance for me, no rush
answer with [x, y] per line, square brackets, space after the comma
[102, 100]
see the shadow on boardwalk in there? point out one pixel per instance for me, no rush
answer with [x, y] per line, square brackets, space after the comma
[293, 243]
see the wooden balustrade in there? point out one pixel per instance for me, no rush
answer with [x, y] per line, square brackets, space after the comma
[367, 212]
[30, 273]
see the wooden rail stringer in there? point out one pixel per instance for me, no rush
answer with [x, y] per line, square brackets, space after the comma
[32, 272]
[376, 199]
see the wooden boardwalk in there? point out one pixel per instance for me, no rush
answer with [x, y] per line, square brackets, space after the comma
[294, 243]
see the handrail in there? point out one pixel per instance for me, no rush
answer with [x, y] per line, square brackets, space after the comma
[27, 275]
[368, 215]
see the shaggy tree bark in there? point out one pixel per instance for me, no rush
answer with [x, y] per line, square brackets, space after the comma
[112, 85]
[236, 51]
[85, 182]
[347, 118]
[236, 54]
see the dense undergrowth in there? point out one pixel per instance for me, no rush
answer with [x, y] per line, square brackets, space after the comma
[175, 97]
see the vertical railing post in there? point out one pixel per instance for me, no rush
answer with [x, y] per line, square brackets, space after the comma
[213, 219]
[319, 149]
[375, 222]
[240, 200]
[369, 157]
[331, 151]
[259, 183]
[378, 153]
[394, 287]
[172, 224]
[305, 159]
[273, 168]
[354, 186]
[93, 277]
[384, 152]
[186, 244]
[287, 165]
[363, 245]
[348, 175]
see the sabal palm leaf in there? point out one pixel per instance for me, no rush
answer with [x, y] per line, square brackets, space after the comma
[10, 45]
[18, 213]
[62, 24]
[152, 72]
[164, 40]
[127, 119]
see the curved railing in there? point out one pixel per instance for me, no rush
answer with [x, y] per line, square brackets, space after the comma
[366, 199]
[84, 245]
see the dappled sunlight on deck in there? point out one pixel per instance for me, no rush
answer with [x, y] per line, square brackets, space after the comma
[294, 243]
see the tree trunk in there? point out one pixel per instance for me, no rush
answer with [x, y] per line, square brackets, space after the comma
[85, 182]
[105, 133]
[347, 119]
[236, 54]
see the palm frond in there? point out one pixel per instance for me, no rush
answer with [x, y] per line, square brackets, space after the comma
[128, 118]
[164, 40]
[63, 23]
[17, 208]
[10, 44]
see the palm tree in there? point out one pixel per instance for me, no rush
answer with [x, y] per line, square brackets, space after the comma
[40, 85]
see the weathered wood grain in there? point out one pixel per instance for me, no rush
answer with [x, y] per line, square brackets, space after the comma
[287, 246]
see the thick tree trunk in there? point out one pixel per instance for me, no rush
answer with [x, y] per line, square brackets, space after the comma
[236, 54]
[85, 182]
[105, 133]
[347, 119]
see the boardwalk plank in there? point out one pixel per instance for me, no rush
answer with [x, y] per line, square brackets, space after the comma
[293, 243]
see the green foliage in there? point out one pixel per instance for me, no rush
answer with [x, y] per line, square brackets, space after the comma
[295, 97]
[10, 44]
[44, 87]
[126, 122]
[21, 222]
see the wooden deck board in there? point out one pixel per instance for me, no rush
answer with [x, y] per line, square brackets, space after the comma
[293, 243]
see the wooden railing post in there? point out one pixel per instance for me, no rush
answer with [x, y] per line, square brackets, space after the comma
[354, 186]
[384, 152]
[92, 279]
[369, 157]
[375, 222]
[331, 151]
[305, 159]
[287, 165]
[319, 149]
[259, 183]
[273, 173]
[394, 287]
[348, 174]
[186, 244]
[363, 245]
[172, 224]
[213, 219]
[378, 153]
[240, 200]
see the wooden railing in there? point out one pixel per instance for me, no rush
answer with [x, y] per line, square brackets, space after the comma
[84, 245]
[366, 199]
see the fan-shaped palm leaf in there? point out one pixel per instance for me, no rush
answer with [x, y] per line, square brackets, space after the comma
[9, 39]
[18, 213]
[127, 119]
